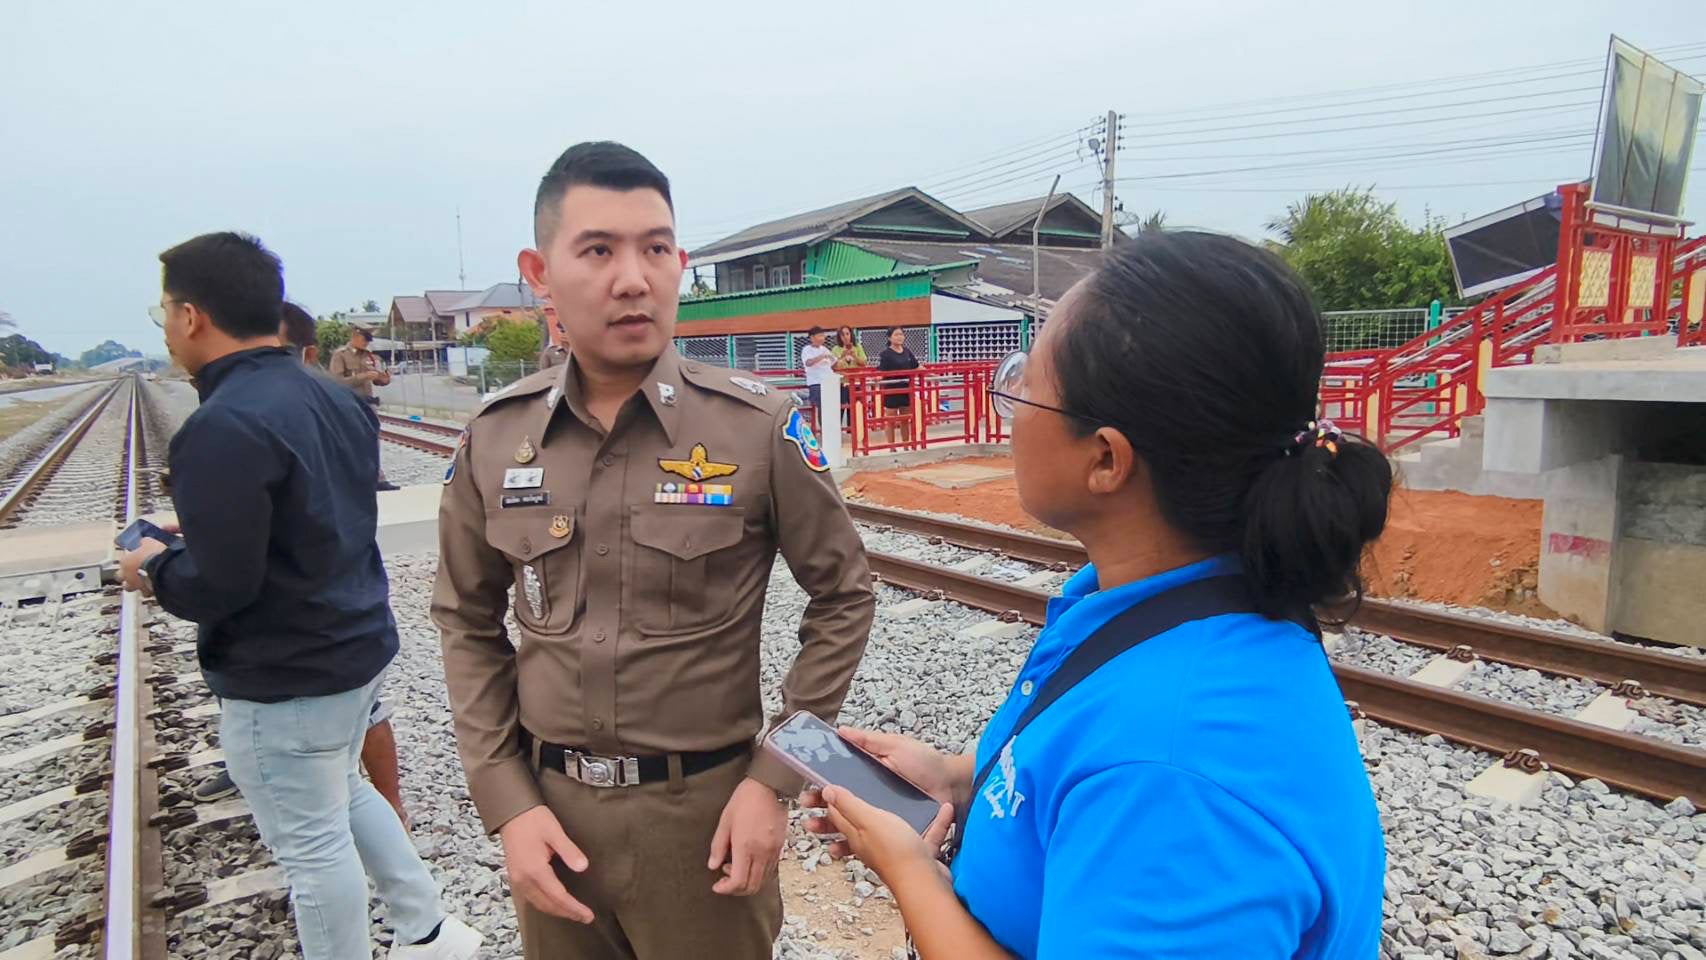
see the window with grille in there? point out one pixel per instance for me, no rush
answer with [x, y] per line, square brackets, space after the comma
[876, 339]
[968, 342]
[705, 349]
[762, 351]
[758, 276]
[781, 276]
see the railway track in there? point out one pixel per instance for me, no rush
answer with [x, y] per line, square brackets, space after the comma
[30, 483]
[1524, 736]
[86, 763]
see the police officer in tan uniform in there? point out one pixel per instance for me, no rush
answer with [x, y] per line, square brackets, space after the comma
[358, 368]
[635, 502]
[556, 352]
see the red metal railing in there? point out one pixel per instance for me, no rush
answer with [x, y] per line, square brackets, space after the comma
[890, 411]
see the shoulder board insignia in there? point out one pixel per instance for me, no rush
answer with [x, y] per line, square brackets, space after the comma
[750, 386]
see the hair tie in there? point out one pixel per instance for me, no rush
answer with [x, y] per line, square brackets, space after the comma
[1320, 433]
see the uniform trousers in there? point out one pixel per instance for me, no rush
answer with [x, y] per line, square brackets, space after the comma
[646, 882]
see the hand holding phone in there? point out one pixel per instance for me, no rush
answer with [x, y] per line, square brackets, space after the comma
[131, 537]
[820, 754]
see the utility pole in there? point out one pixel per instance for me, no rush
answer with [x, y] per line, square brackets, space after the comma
[1110, 146]
[1036, 254]
[461, 272]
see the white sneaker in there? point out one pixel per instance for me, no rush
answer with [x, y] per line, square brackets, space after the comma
[455, 941]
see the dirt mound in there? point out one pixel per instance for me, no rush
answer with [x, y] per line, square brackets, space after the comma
[1439, 546]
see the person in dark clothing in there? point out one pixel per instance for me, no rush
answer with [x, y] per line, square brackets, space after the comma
[379, 746]
[897, 356]
[279, 568]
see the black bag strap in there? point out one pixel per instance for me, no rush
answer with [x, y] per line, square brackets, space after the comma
[1196, 600]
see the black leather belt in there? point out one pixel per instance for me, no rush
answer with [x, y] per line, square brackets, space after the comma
[600, 771]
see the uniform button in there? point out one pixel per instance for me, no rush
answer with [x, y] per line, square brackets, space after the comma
[608, 460]
[1026, 688]
[598, 637]
[597, 724]
[526, 546]
[602, 549]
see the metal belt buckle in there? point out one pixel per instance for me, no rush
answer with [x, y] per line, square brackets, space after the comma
[607, 771]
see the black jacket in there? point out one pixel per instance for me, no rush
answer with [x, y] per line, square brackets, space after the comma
[273, 478]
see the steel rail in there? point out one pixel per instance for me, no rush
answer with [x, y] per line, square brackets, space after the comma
[418, 443]
[439, 428]
[122, 938]
[1680, 678]
[1646, 766]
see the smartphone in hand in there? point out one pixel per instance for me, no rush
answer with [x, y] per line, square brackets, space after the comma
[131, 537]
[820, 754]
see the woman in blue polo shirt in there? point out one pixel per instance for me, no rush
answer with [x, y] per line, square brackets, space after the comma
[1200, 794]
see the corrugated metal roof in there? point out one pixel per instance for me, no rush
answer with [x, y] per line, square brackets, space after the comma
[843, 261]
[411, 309]
[816, 224]
[443, 301]
[900, 285]
[1008, 267]
[1007, 218]
[498, 296]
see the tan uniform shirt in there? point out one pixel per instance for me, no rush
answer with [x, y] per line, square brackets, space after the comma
[347, 361]
[639, 617]
[552, 356]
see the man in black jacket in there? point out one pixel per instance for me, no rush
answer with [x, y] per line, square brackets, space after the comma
[278, 566]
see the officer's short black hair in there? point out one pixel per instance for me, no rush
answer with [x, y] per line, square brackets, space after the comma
[597, 163]
[231, 277]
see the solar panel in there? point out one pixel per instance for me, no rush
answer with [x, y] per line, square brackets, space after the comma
[1505, 247]
[1649, 114]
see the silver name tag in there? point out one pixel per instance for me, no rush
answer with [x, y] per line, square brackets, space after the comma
[526, 478]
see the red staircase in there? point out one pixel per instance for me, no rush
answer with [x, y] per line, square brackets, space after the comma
[1423, 389]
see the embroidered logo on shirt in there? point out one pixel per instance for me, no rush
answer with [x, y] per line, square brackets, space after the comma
[697, 466]
[1001, 790]
[799, 433]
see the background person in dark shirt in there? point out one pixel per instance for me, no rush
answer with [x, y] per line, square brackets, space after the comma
[279, 568]
[897, 356]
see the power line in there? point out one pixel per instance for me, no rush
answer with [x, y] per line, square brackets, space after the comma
[1382, 126]
[1410, 84]
[1382, 113]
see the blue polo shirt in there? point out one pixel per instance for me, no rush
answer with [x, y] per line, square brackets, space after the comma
[1201, 795]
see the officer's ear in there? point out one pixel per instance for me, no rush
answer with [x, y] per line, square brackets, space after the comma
[532, 265]
[683, 253]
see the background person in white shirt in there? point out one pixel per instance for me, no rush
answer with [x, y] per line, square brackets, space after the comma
[819, 362]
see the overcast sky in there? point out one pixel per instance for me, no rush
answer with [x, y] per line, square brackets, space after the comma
[346, 135]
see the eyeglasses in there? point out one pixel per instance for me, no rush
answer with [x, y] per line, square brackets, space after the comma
[157, 313]
[1004, 388]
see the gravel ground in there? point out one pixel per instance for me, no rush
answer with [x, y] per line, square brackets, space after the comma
[1586, 873]
[23, 447]
[1658, 718]
[406, 466]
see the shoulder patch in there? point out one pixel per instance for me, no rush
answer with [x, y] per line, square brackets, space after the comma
[799, 433]
[738, 384]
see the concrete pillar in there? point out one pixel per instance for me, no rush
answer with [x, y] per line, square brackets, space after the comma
[829, 412]
[1578, 539]
[1661, 553]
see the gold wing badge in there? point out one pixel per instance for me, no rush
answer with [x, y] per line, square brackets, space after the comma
[697, 466]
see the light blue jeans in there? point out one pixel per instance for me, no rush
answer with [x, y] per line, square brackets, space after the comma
[298, 764]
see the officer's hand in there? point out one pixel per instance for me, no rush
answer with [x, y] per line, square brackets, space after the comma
[530, 840]
[130, 562]
[748, 839]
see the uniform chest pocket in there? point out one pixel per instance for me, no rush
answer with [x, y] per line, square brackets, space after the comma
[547, 566]
[681, 579]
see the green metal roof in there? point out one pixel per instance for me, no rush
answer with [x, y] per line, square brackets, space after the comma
[842, 261]
[908, 284]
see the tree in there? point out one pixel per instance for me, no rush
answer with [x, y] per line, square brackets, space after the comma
[6, 321]
[18, 350]
[1156, 220]
[514, 338]
[108, 350]
[330, 335]
[370, 306]
[1357, 253]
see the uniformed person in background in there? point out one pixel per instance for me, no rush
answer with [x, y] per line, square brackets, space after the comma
[358, 368]
[635, 501]
[556, 352]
